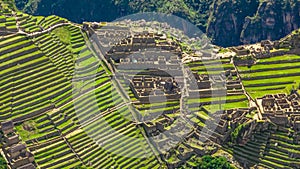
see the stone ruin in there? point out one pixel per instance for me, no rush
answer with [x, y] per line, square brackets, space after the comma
[240, 50]
[245, 61]
[290, 42]
[157, 127]
[229, 120]
[203, 81]
[151, 51]
[281, 109]
[125, 46]
[151, 88]
[151, 59]
[16, 153]
[261, 50]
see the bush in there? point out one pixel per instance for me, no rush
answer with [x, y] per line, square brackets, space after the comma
[237, 132]
[3, 164]
[209, 162]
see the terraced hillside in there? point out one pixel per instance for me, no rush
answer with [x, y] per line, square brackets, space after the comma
[271, 75]
[271, 148]
[59, 93]
[37, 69]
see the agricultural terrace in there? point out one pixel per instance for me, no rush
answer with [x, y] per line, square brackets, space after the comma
[93, 126]
[27, 23]
[36, 86]
[272, 75]
[269, 149]
[235, 97]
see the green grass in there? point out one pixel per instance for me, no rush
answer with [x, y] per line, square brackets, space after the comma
[25, 134]
[3, 164]
[38, 18]
[63, 34]
[268, 77]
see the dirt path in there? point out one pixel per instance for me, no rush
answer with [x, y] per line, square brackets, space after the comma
[252, 102]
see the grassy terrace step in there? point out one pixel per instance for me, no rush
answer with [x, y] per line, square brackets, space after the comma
[77, 39]
[48, 82]
[93, 107]
[93, 154]
[54, 155]
[240, 153]
[16, 80]
[101, 131]
[213, 67]
[8, 24]
[65, 122]
[283, 143]
[52, 20]
[264, 151]
[58, 52]
[27, 23]
[272, 75]
[38, 134]
[11, 40]
[270, 164]
[278, 157]
[253, 150]
[216, 100]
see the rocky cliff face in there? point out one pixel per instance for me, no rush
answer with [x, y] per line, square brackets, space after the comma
[235, 22]
[273, 20]
[227, 22]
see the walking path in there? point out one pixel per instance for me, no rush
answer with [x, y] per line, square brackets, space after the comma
[252, 102]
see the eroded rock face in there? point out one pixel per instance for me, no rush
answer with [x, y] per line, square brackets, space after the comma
[235, 22]
[227, 22]
[227, 18]
[273, 21]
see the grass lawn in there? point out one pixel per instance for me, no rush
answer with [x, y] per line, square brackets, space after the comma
[63, 34]
[280, 80]
[27, 135]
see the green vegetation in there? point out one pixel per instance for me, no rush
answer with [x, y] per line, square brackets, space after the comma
[272, 75]
[93, 127]
[224, 50]
[244, 17]
[82, 167]
[237, 132]
[31, 130]
[209, 162]
[3, 164]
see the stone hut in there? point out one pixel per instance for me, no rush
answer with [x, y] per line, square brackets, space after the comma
[268, 102]
[240, 50]
[27, 166]
[16, 151]
[7, 127]
[267, 44]
[9, 141]
[19, 156]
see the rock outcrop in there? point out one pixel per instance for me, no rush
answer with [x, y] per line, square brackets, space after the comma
[227, 22]
[235, 22]
[273, 20]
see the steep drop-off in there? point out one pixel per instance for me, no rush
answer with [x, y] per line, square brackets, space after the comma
[227, 22]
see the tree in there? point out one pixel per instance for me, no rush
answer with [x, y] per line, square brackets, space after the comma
[3, 164]
[209, 162]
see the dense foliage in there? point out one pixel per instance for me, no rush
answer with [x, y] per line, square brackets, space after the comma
[3, 164]
[209, 162]
[228, 23]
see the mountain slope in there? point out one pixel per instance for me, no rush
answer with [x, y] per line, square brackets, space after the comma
[229, 22]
